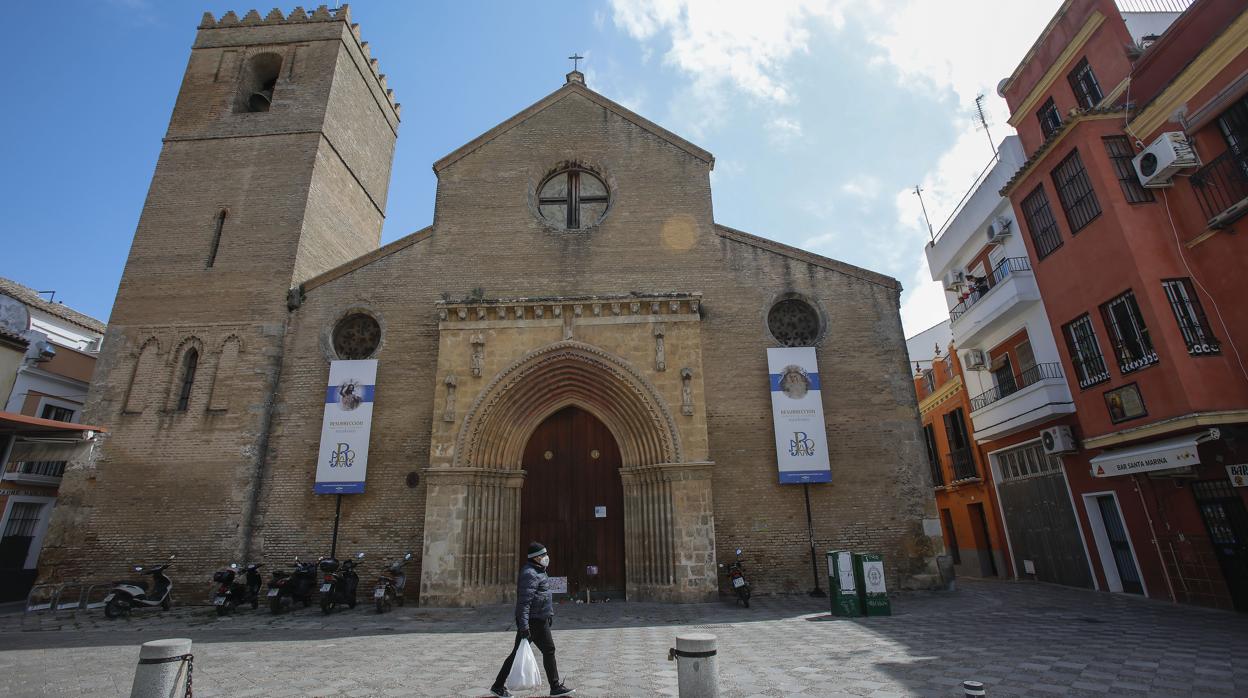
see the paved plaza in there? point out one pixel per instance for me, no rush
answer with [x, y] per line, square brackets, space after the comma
[1018, 638]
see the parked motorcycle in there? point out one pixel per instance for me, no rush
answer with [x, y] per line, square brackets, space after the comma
[287, 588]
[390, 585]
[128, 595]
[340, 582]
[233, 592]
[736, 578]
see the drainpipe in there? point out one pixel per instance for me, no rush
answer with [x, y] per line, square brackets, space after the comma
[1156, 544]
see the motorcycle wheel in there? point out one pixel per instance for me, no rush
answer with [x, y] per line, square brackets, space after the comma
[223, 609]
[326, 604]
[255, 602]
[381, 605]
[275, 605]
[117, 608]
[399, 599]
[744, 594]
[167, 603]
[306, 602]
[351, 603]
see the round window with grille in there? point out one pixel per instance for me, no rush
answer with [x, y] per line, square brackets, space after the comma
[357, 336]
[572, 199]
[794, 323]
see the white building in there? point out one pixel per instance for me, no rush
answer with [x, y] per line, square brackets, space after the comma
[1013, 374]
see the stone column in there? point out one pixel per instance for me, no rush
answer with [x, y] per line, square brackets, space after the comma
[472, 529]
[669, 532]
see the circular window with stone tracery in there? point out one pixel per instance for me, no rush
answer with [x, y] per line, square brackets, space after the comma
[572, 199]
[357, 336]
[794, 323]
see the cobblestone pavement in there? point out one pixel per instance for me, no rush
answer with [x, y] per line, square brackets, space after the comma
[1018, 638]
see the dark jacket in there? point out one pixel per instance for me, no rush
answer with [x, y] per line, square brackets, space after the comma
[532, 596]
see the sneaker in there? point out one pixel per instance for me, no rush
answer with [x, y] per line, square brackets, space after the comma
[501, 692]
[561, 690]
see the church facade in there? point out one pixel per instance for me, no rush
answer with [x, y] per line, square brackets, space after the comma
[574, 351]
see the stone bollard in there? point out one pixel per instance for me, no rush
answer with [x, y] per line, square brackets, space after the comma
[973, 689]
[164, 670]
[696, 665]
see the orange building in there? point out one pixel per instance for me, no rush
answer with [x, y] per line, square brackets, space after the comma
[1135, 128]
[963, 486]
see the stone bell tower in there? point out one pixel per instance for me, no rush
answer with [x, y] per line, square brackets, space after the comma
[274, 168]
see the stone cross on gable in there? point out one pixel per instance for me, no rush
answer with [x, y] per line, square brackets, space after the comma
[576, 60]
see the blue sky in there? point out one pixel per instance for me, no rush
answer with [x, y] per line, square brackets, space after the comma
[822, 114]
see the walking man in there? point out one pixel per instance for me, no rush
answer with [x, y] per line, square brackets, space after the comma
[535, 613]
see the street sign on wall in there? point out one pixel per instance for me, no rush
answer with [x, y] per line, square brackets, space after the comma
[342, 461]
[797, 416]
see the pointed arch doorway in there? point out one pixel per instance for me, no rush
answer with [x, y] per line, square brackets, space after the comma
[573, 501]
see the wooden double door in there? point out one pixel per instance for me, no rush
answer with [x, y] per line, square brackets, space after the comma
[573, 502]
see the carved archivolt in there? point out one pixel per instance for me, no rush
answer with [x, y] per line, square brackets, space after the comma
[500, 420]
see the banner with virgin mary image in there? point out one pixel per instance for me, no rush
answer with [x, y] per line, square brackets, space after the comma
[343, 457]
[797, 416]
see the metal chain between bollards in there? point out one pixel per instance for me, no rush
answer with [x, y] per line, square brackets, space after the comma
[190, 667]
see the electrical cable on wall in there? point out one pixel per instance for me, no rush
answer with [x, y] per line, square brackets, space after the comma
[1213, 301]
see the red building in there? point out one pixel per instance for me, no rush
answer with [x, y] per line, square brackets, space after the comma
[1135, 127]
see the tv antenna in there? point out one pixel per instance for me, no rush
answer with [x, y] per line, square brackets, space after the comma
[983, 121]
[918, 191]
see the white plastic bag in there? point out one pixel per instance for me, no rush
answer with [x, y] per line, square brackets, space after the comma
[524, 676]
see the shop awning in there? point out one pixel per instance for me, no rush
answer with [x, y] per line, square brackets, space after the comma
[1167, 454]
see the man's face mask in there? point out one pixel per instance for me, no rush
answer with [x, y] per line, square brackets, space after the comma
[544, 561]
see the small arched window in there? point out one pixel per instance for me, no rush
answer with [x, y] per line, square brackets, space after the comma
[189, 363]
[216, 237]
[257, 83]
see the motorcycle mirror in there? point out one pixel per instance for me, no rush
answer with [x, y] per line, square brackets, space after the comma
[138, 568]
[738, 551]
[233, 565]
[359, 556]
[407, 556]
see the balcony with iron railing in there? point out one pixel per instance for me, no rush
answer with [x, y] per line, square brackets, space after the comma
[999, 273]
[962, 460]
[1019, 401]
[1010, 384]
[37, 472]
[1222, 188]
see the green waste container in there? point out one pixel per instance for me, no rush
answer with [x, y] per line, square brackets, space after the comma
[869, 574]
[842, 584]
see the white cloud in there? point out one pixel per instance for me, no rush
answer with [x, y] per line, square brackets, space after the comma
[783, 130]
[924, 304]
[863, 187]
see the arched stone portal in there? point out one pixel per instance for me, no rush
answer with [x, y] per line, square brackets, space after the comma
[473, 502]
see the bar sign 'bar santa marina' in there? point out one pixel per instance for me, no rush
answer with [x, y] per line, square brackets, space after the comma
[343, 459]
[797, 415]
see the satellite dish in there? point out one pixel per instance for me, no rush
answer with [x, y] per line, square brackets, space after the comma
[14, 316]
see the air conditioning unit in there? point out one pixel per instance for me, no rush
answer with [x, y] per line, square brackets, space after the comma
[1164, 157]
[1058, 440]
[975, 360]
[954, 280]
[998, 230]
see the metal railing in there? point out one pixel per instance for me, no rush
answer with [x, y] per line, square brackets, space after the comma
[999, 273]
[1222, 185]
[44, 468]
[1015, 383]
[963, 462]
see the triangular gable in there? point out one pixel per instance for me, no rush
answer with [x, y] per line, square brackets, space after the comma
[570, 88]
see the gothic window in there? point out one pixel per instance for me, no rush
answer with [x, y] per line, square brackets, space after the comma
[190, 363]
[794, 323]
[257, 83]
[572, 199]
[357, 336]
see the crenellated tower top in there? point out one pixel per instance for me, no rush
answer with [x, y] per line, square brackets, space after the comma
[300, 16]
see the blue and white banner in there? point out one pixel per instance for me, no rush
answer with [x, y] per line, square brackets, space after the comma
[797, 415]
[343, 458]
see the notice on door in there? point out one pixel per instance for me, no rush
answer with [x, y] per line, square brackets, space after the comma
[600, 512]
[1238, 474]
[797, 416]
[348, 422]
